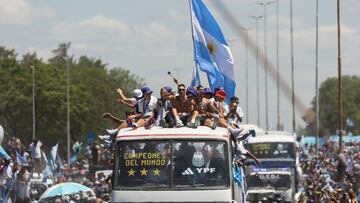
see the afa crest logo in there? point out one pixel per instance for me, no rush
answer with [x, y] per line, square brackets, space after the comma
[198, 159]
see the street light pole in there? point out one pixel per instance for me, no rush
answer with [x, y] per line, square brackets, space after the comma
[257, 68]
[247, 74]
[341, 105]
[317, 80]
[33, 100]
[264, 4]
[278, 66]
[68, 108]
[292, 67]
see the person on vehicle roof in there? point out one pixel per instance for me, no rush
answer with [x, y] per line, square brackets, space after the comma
[182, 107]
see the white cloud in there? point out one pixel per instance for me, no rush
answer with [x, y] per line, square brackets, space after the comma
[177, 15]
[111, 29]
[106, 24]
[21, 12]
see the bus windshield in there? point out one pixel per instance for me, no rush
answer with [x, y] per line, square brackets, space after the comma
[272, 150]
[171, 164]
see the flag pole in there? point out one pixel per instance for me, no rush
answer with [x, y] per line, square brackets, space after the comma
[192, 37]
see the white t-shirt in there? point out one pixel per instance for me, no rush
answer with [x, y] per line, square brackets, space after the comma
[6, 174]
[147, 107]
[133, 101]
[35, 150]
[233, 118]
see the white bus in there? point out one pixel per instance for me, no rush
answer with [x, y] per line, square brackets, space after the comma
[174, 165]
[274, 179]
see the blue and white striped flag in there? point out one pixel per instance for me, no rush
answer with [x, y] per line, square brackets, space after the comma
[212, 52]
[22, 160]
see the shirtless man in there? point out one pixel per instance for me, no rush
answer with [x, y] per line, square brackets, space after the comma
[182, 107]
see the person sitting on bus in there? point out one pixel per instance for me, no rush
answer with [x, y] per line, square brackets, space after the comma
[194, 98]
[146, 106]
[216, 113]
[182, 107]
[163, 109]
[233, 112]
[131, 103]
[203, 106]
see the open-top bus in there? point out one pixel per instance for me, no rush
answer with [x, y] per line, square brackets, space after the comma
[174, 165]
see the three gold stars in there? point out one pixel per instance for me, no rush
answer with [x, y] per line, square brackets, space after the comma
[144, 172]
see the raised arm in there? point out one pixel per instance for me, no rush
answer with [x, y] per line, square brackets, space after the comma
[128, 104]
[122, 96]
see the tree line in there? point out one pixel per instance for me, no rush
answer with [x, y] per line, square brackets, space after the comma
[92, 86]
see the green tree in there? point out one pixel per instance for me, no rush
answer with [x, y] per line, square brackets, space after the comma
[328, 102]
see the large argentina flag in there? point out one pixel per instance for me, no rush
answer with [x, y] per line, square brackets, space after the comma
[212, 52]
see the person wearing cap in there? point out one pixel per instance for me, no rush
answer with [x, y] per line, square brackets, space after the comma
[233, 113]
[195, 100]
[146, 107]
[202, 106]
[182, 107]
[208, 94]
[216, 115]
[130, 102]
[164, 106]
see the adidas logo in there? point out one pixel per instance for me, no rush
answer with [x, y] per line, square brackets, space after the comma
[188, 171]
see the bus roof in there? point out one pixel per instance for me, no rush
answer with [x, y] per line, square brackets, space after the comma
[272, 136]
[183, 132]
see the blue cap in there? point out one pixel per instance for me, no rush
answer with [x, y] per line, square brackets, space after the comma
[146, 90]
[168, 89]
[207, 90]
[191, 91]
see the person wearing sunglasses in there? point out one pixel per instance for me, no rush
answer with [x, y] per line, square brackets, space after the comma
[182, 107]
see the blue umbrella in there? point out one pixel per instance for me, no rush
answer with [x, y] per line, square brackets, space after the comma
[64, 189]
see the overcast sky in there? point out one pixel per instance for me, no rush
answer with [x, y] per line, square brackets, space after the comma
[152, 37]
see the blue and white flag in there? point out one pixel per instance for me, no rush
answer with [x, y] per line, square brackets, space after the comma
[53, 152]
[22, 160]
[212, 52]
[349, 122]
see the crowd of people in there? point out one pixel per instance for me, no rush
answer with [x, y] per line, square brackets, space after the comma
[27, 172]
[330, 176]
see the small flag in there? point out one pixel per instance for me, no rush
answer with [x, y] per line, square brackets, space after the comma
[77, 147]
[53, 152]
[349, 122]
[22, 160]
